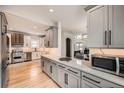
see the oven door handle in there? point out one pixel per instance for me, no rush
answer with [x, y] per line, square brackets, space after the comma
[117, 66]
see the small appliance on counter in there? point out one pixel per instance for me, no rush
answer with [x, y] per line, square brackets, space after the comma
[113, 65]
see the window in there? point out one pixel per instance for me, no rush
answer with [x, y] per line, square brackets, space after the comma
[78, 46]
[34, 44]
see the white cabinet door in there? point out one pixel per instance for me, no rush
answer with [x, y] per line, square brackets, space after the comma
[35, 55]
[86, 84]
[116, 26]
[61, 77]
[97, 27]
[54, 72]
[73, 81]
[45, 66]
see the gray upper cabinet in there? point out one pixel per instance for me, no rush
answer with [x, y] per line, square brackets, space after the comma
[96, 27]
[46, 40]
[51, 38]
[105, 27]
[116, 26]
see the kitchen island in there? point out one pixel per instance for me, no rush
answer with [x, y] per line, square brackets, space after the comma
[78, 73]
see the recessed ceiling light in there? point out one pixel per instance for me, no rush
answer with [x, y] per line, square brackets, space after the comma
[34, 27]
[10, 28]
[51, 10]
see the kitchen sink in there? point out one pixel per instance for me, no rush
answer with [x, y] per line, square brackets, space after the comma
[65, 59]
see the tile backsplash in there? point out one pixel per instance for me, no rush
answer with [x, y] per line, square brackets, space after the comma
[116, 52]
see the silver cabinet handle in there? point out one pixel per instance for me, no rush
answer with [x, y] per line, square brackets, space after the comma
[43, 63]
[72, 71]
[48, 43]
[109, 34]
[61, 66]
[66, 79]
[105, 42]
[51, 69]
[91, 79]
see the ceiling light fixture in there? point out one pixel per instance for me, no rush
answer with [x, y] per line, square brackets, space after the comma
[10, 28]
[51, 10]
[34, 27]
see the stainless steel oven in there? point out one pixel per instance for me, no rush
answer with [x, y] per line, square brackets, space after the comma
[17, 56]
[121, 62]
[113, 65]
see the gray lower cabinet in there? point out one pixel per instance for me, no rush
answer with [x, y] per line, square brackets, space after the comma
[73, 81]
[54, 72]
[50, 69]
[61, 77]
[45, 66]
[67, 79]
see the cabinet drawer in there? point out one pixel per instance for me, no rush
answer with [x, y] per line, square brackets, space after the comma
[98, 81]
[61, 66]
[107, 84]
[86, 84]
[73, 71]
[92, 79]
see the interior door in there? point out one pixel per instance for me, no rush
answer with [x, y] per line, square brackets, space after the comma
[97, 27]
[68, 47]
[116, 26]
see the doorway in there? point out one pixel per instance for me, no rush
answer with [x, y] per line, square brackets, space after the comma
[68, 47]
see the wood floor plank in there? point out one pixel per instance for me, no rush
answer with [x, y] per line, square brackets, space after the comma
[29, 75]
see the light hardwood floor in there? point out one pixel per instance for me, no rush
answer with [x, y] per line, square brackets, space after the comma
[29, 75]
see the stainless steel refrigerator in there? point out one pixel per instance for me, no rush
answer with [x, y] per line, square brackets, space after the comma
[3, 51]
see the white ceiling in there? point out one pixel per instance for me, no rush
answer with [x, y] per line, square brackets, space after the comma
[72, 17]
[18, 23]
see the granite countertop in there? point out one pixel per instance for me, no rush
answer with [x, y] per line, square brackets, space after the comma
[85, 66]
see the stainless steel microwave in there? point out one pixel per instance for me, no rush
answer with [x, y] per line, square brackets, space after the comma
[113, 65]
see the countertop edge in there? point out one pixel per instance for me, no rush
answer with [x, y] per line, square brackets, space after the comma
[109, 77]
